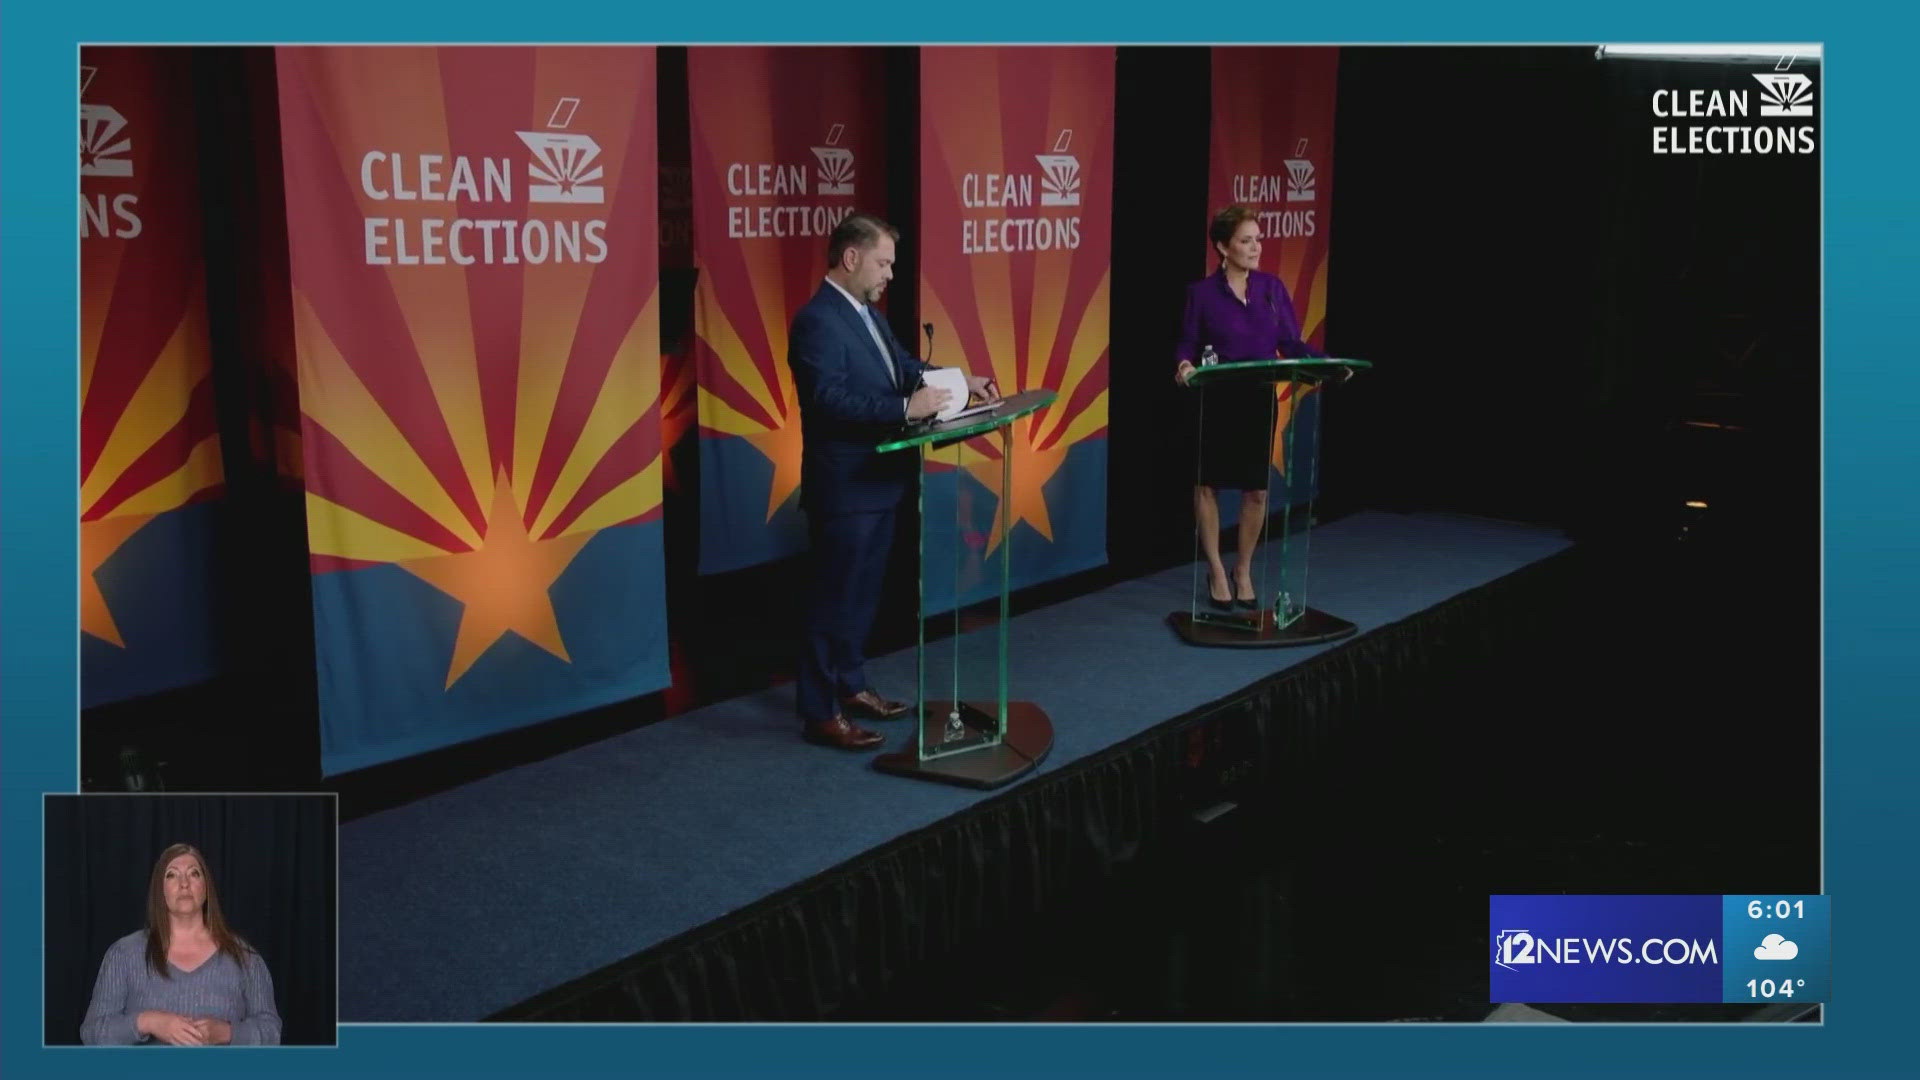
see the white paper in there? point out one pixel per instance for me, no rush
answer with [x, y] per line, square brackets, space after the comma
[954, 381]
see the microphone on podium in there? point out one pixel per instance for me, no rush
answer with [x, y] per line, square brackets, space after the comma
[928, 327]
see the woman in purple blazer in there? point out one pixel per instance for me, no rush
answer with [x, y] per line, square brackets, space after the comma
[1245, 315]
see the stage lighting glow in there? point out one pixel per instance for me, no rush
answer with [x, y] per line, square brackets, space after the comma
[1781, 56]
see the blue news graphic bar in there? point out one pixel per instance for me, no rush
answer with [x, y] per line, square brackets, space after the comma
[1657, 949]
[1778, 949]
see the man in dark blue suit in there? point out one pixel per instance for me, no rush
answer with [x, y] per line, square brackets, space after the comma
[857, 385]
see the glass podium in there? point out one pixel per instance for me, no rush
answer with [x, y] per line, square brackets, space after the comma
[1278, 615]
[966, 731]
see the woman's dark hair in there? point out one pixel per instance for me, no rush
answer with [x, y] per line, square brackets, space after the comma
[160, 924]
[1227, 222]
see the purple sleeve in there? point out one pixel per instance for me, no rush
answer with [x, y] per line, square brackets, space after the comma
[1290, 344]
[1188, 346]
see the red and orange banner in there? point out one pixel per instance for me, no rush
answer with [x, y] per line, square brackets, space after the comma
[1272, 152]
[149, 436]
[1016, 239]
[473, 236]
[786, 144]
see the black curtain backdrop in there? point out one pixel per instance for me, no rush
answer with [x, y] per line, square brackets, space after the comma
[1464, 265]
[272, 859]
[1162, 97]
[1709, 332]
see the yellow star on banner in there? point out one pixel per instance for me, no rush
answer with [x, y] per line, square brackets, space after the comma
[782, 446]
[98, 541]
[1032, 468]
[503, 584]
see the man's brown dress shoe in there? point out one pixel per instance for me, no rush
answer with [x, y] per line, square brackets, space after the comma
[872, 706]
[842, 734]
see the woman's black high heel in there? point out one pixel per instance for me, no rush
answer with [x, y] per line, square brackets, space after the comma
[1220, 603]
[1251, 603]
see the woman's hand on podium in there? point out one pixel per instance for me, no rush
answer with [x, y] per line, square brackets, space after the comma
[1183, 373]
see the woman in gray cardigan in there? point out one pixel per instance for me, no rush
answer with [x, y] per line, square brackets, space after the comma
[186, 980]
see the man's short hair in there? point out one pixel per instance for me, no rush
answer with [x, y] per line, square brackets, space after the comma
[861, 230]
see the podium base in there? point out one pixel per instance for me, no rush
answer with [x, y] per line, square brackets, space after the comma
[1028, 739]
[1256, 630]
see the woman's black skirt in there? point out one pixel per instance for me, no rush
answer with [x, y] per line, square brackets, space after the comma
[1236, 441]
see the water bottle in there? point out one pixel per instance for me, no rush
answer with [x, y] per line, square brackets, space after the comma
[1208, 357]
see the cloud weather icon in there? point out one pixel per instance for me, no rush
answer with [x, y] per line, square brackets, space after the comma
[1775, 947]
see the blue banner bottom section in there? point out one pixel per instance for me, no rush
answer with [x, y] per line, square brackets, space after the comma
[384, 642]
[735, 530]
[159, 590]
[1658, 949]
[957, 516]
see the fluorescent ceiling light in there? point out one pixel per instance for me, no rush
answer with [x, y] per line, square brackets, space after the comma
[1779, 55]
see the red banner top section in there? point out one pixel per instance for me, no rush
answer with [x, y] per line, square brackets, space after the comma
[1272, 151]
[148, 431]
[474, 238]
[786, 144]
[1016, 192]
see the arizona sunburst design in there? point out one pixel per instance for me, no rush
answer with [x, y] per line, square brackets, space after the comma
[1016, 190]
[1272, 151]
[473, 239]
[149, 438]
[784, 146]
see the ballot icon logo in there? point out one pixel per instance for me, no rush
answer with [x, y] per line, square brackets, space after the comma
[103, 145]
[1785, 94]
[836, 163]
[564, 167]
[1060, 173]
[1299, 180]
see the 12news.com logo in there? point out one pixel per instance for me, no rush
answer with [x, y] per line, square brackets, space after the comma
[1517, 947]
